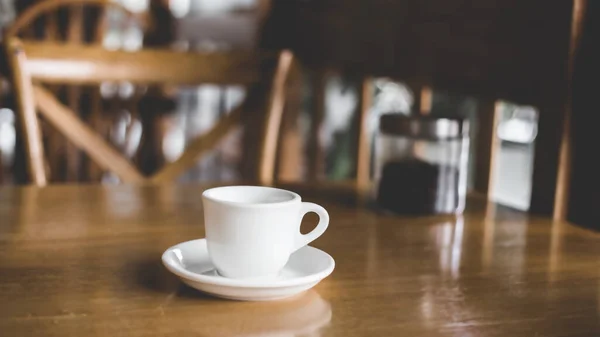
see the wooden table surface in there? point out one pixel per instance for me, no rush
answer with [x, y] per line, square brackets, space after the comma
[85, 261]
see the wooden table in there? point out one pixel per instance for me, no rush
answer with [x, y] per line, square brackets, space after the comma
[85, 261]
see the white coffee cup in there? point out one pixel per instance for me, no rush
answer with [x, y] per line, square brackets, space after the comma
[252, 230]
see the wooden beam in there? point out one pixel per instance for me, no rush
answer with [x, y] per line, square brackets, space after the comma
[552, 163]
[290, 152]
[426, 100]
[25, 20]
[28, 116]
[75, 30]
[51, 30]
[546, 157]
[268, 148]
[63, 119]
[78, 64]
[363, 141]
[564, 163]
[486, 146]
[197, 147]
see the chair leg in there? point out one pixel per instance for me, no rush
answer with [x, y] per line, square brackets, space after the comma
[27, 116]
[546, 160]
[73, 155]
[363, 146]
[424, 99]
[565, 158]
[563, 179]
[290, 150]
[486, 146]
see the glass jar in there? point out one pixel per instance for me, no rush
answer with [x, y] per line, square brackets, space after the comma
[421, 164]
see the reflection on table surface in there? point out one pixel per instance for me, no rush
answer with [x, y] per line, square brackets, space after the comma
[86, 260]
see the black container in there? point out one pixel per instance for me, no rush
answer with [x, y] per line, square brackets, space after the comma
[421, 164]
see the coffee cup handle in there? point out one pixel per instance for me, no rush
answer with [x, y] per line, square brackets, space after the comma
[304, 239]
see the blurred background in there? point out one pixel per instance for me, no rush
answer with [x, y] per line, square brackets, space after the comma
[435, 58]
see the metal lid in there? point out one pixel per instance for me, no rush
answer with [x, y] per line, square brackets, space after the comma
[424, 127]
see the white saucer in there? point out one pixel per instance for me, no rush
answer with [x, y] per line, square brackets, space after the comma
[305, 268]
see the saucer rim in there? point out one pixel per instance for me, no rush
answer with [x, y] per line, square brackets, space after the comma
[222, 281]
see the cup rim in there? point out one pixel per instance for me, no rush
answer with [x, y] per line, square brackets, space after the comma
[207, 196]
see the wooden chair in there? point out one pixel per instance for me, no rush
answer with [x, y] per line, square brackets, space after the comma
[295, 153]
[76, 22]
[65, 20]
[36, 63]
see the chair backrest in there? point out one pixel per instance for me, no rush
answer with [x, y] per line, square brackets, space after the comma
[75, 22]
[34, 63]
[66, 20]
[302, 161]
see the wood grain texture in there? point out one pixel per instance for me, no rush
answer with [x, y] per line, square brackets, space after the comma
[85, 260]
